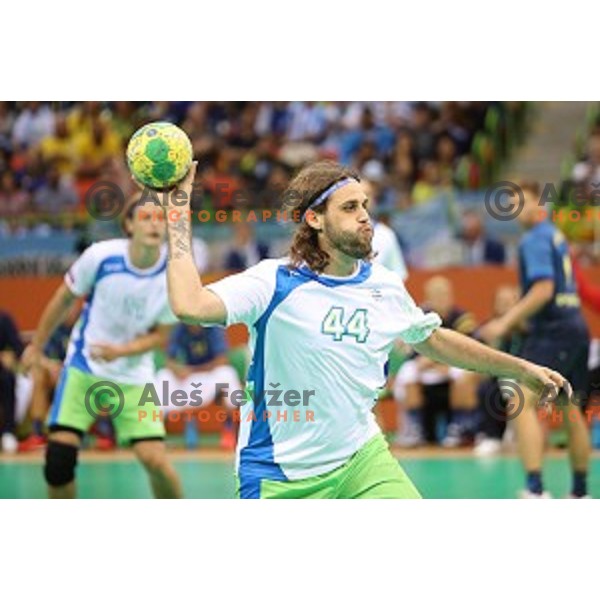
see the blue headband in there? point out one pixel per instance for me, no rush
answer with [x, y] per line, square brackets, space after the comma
[323, 196]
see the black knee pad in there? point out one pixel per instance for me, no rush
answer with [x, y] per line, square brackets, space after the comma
[61, 460]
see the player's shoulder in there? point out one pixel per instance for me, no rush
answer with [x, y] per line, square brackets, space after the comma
[268, 267]
[106, 248]
[539, 234]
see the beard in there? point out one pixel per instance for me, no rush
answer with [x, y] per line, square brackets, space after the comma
[356, 245]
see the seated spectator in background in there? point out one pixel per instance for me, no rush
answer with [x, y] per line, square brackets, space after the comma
[35, 122]
[429, 185]
[95, 148]
[43, 380]
[7, 121]
[420, 379]
[246, 251]
[58, 148]
[11, 348]
[492, 406]
[445, 151]
[13, 200]
[586, 174]
[57, 195]
[478, 249]
[217, 179]
[197, 361]
[385, 242]
[423, 132]
[380, 136]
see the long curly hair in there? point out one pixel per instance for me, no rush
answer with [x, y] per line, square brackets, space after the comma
[306, 187]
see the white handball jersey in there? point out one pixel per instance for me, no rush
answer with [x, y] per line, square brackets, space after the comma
[389, 252]
[314, 333]
[122, 303]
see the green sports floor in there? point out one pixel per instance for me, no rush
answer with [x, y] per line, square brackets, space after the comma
[208, 474]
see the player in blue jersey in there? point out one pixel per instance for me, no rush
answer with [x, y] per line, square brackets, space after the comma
[557, 338]
[322, 322]
[197, 362]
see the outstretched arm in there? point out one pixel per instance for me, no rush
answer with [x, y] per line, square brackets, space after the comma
[190, 301]
[445, 345]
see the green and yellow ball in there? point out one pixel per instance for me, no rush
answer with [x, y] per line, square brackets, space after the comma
[159, 155]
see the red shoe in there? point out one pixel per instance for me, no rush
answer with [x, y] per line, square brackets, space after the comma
[227, 440]
[104, 444]
[32, 443]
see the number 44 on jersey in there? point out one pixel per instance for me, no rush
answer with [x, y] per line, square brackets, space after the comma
[356, 326]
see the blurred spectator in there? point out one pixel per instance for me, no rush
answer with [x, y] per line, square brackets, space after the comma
[586, 174]
[492, 405]
[246, 251]
[11, 348]
[35, 122]
[422, 131]
[307, 122]
[425, 387]
[429, 185]
[57, 195]
[197, 364]
[380, 137]
[13, 200]
[96, 147]
[445, 151]
[478, 249]
[7, 120]
[44, 379]
[58, 148]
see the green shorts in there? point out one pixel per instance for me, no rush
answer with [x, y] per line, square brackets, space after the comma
[371, 473]
[80, 398]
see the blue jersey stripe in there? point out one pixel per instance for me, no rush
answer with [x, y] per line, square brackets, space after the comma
[257, 458]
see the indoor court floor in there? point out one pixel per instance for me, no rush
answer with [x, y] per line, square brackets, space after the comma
[208, 473]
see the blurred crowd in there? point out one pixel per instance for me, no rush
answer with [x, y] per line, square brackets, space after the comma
[50, 153]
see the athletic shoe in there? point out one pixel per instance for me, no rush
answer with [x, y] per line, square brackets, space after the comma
[527, 495]
[573, 497]
[9, 443]
[487, 447]
[454, 437]
[32, 443]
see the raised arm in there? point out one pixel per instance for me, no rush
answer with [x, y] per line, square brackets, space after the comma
[189, 300]
[445, 345]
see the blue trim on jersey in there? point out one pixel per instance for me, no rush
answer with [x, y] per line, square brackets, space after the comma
[78, 359]
[112, 265]
[363, 274]
[58, 397]
[257, 458]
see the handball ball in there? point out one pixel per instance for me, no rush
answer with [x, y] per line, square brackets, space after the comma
[159, 155]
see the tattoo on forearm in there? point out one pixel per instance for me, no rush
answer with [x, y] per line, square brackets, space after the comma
[180, 238]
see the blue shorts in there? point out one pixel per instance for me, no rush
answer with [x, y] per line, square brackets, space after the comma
[568, 356]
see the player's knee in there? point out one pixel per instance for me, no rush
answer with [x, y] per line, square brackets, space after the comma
[61, 461]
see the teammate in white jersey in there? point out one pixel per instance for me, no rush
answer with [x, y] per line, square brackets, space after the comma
[109, 360]
[322, 323]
